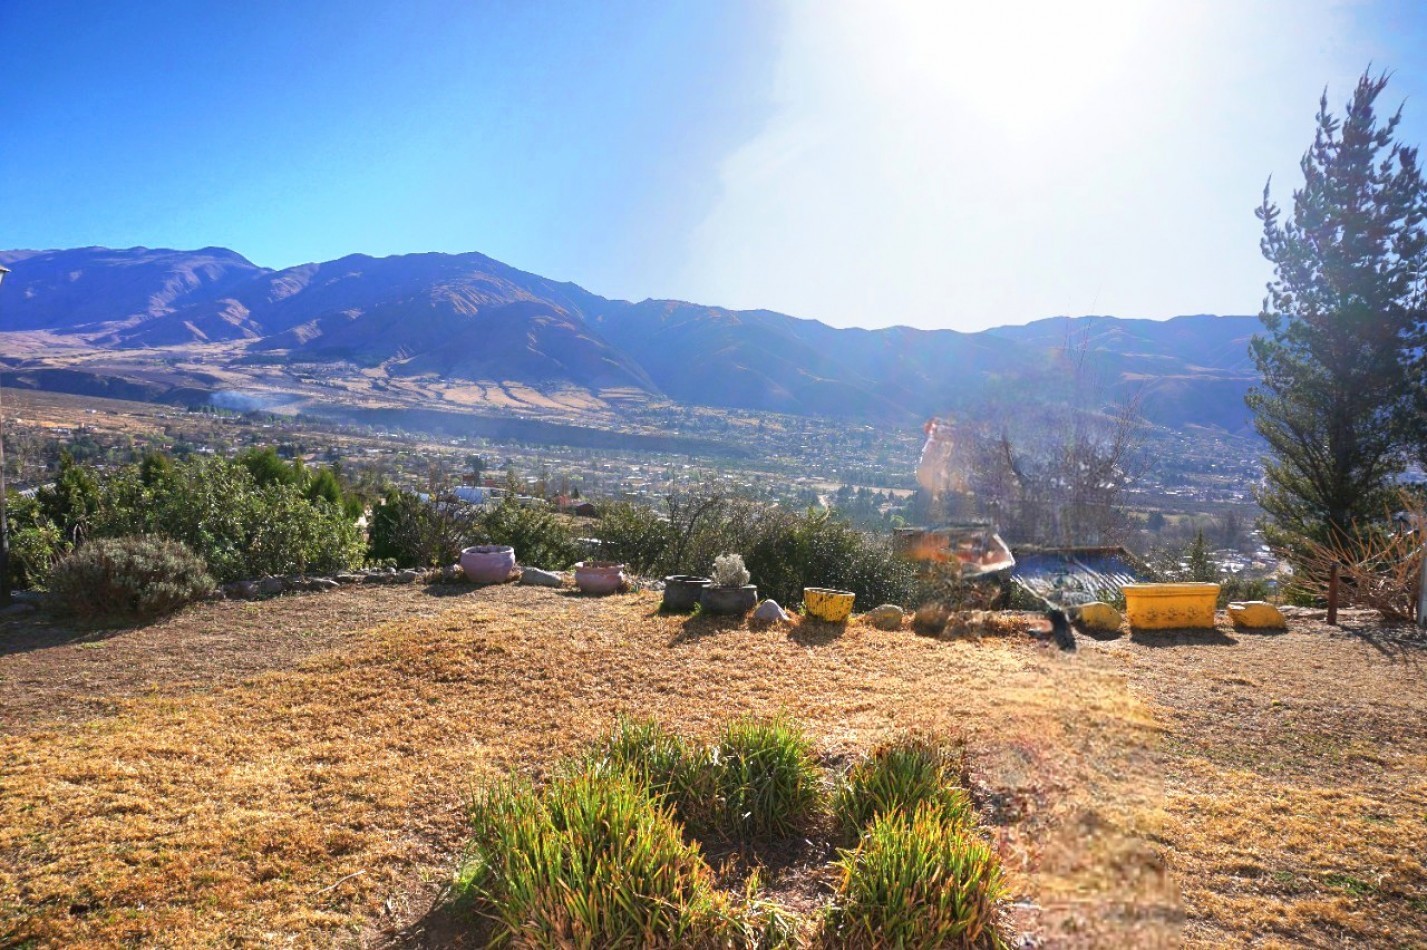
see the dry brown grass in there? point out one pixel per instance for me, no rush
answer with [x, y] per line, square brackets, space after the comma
[322, 804]
[1296, 771]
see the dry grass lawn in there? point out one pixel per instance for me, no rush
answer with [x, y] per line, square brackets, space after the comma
[315, 798]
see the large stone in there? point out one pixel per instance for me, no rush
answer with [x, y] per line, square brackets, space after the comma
[349, 578]
[1100, 616]
[406, 577]
[1256, 615]
[270, 586]
[535, 577]
[885, 617]
[770, 610]
[320, 584]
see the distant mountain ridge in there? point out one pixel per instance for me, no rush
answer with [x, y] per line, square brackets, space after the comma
[468, 316]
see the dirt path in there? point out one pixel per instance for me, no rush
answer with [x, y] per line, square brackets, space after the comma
[1296, 778]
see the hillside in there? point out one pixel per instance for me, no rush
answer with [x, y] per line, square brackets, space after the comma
[469, 317]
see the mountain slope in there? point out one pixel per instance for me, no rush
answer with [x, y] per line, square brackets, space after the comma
[468, 316]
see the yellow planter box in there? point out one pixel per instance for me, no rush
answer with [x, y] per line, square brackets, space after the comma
[824, 603]
[1170, 606]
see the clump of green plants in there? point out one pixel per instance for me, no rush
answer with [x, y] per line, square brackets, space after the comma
[917, 879]
[608, 852]
[673, 769]
[128, 577]
[592, 859]
[765, 778]
[538, 535]
[902, 774]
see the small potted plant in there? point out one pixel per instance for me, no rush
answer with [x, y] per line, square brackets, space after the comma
[729, 592]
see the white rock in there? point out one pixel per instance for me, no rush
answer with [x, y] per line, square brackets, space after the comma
[769, 610]
[536, 577]
[885, 617]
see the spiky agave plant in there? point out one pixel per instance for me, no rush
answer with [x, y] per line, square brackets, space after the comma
[902, 773]
[916, 879]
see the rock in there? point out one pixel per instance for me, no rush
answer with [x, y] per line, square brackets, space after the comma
[17, 609]
[1100, 616]
[535, 577]
[1257, 615]
[376, 577]
[349, 578]
[405, 577]
[270, 586]
[216, 593]
[770, 610]
[319, 584]
[885, 617]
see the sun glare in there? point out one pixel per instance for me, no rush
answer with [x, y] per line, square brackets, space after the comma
[1017, 60]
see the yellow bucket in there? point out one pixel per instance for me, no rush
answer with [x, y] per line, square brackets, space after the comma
[1171, 606]
[824, 603]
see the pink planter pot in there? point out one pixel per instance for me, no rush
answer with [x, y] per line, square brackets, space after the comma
[488, 563]
[600, 577]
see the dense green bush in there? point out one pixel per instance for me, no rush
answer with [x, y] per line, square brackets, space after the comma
[785, 551]
[899, 775]
[138, 577]
[539, 536]
[414, 533]
[591, 860]
[239, 528]
[917, 879]
[766, 782]
[35, 542]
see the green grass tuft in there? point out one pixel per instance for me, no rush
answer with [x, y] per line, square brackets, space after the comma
[766, 781]
[917, 880]
[592, 859]
[674, 770]
[908, 771]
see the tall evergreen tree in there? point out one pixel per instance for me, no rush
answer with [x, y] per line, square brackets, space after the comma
[1338, 403]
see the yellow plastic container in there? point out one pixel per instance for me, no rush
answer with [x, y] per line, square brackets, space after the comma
[824, 603]
[1171, 606]
[1256, 615]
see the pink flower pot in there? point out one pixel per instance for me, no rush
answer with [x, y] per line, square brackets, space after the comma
[600, 577]
[488, 563]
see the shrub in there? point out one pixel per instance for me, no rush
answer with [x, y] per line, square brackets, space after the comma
[672, 769]
[635, 535]
[900, 775]
[917, 880]
[140, 577]
[409, 532]
[239, 528]
[35, 542]
[591, 860]
[538, 535]
[765, 780]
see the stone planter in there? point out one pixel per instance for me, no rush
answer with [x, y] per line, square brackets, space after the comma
[488, 563]
[729, 600]
[682, 592]
[1170, 606]
[600, 577]
[824, 603]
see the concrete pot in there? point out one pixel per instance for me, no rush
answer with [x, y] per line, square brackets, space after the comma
[600, 577]
[488, 563]
[682, 592]
[729, 600]
[1171, 606]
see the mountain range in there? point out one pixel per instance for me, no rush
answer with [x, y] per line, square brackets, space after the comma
[453, 317]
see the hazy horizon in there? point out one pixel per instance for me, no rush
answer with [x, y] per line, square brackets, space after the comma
[938, 166]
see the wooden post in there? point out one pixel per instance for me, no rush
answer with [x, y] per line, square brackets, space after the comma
[1333, 595]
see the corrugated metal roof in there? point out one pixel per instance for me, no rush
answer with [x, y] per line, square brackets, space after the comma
[1071, 576]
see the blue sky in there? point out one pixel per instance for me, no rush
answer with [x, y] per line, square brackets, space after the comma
[934, 164]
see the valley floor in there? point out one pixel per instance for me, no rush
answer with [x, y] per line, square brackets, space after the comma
[294, 772]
